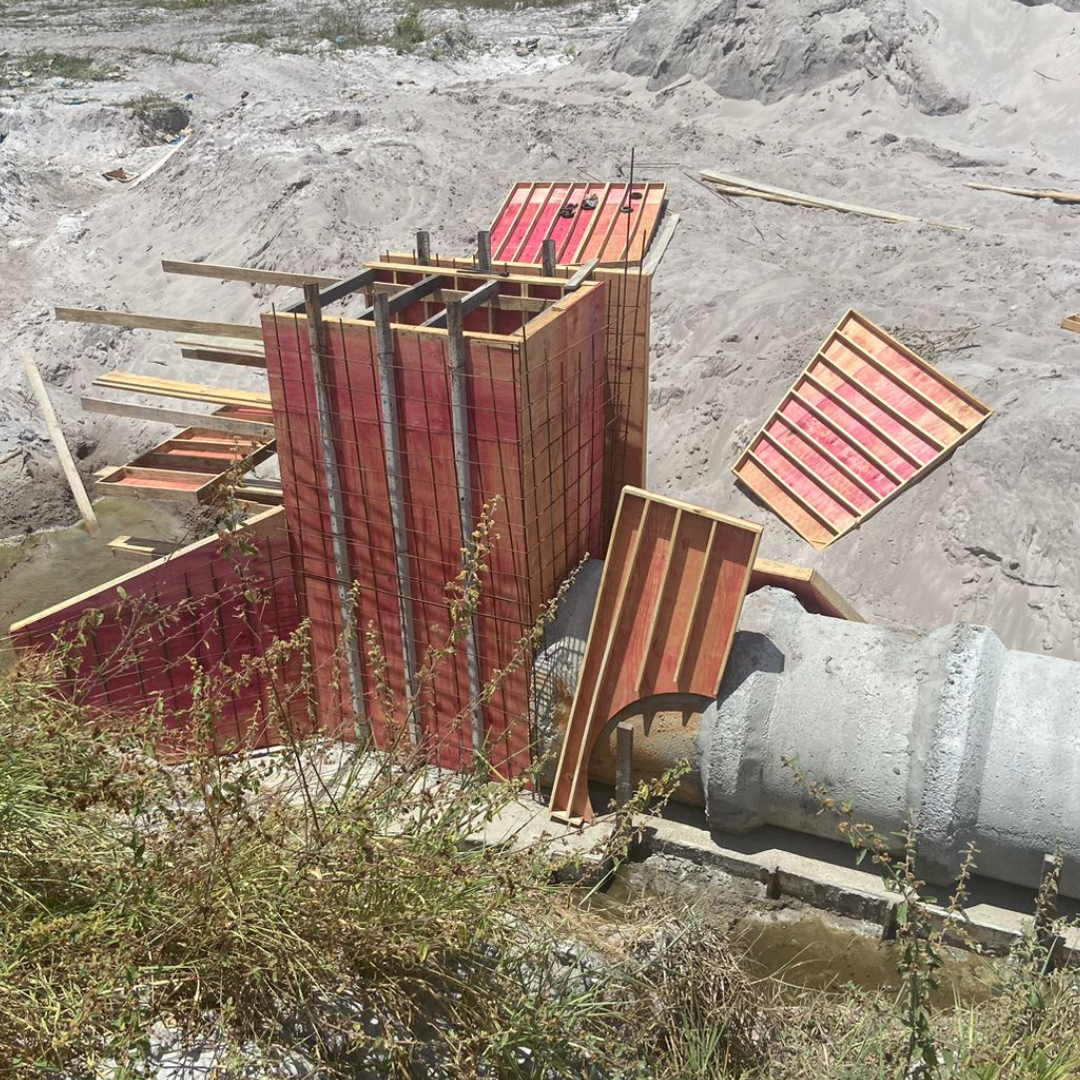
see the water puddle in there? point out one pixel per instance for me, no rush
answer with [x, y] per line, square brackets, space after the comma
[45, 568]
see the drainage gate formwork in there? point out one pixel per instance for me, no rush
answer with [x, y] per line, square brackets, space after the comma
[393, 435]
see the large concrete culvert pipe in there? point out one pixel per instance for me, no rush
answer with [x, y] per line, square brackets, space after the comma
[980, 743]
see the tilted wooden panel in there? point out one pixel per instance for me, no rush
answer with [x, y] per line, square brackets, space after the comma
[865, 419]
[670, 597]
[618, 229]
[205, 607]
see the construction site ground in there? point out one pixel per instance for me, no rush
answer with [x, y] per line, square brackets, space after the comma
[309, 154]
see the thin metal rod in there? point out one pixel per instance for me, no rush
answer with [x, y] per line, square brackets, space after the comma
[384, 343]
[459, 397]
[313, 309]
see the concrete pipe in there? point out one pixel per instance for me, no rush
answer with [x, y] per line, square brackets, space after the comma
[979, 742]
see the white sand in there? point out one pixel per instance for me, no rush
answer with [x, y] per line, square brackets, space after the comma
[892, 103]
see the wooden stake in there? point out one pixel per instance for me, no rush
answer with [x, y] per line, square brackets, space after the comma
[459, 396]
[67, 463]
[547, 257]
[313, 306]
[483, 249]
[384, 343]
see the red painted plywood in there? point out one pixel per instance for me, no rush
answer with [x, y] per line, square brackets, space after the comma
[205, 608]
[864, 420]
[618, 228]
[673, 586]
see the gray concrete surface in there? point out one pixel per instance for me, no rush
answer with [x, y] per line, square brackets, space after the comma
[977, 742]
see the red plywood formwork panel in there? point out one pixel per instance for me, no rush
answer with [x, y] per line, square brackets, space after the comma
[867, 418]
[543, 464]
[206, 607]
[626, 356]
[618, 229]
[192, 466]
[670, 596]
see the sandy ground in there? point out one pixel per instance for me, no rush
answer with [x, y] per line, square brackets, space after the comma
[319, 159]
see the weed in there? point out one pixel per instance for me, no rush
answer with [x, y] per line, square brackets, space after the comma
[260, 37]
[158, 117]
[44, 64]
[344, 23]
[177, 55]
[409, 31]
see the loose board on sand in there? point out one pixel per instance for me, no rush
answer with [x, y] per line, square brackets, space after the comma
[617, 229]
[670, 596]
[865, 419]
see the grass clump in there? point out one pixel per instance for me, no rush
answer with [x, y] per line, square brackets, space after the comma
[42, 63]
[158, 116]
[409, 32]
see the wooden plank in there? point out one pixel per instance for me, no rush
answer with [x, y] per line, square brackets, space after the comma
[1071, 322]
[250, 274]
[813, 591]
[158, 322]
[469, 302]
[1029, 193]
[660, 245]
[180, 417]
[819, 448]
[56, 434]
[739, 186]
[670, 596]
[223, 356]
[791, 493]
[149, 384]
[139, 549]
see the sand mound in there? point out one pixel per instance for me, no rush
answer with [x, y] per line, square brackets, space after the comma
[766, 51]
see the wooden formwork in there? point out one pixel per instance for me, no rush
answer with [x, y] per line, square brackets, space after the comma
[140, 639]
[626, 358]
[670, 597]
[865, 420]
[534, 409]
[610, 223]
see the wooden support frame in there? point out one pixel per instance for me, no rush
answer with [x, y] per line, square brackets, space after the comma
[814, 592]
[142, 549]
[469, 302]
[250, 274]
[339, 535]
[865, 419]
[155, 387]
[669, 603]
[1071, 322]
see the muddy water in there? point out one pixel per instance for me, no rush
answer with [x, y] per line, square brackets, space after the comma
[44, 568]
[803, 946]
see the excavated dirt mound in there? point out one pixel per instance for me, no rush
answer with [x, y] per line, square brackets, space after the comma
[317, 161]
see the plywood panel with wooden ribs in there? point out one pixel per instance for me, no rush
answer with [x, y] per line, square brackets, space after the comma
[866, 419]
[670, 597]
[613, 223]
[207, 607]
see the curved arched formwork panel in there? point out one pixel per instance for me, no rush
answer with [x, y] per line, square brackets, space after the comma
[673, 586]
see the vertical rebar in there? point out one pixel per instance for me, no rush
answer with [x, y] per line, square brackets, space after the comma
[313, 309]
[384, 344]
[459, 397]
